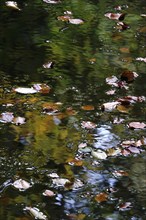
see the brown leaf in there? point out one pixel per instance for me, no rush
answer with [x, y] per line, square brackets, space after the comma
[124, 50]
[119, 173]
[128, 76]
[63, 18]
[75, 162]
[137, 125]
[101, 197]
[123, 108]
[42, 88]
[87, 107]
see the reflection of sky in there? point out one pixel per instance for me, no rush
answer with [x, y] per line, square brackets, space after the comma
[104, 138]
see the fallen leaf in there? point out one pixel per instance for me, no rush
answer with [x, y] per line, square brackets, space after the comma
[60, 181]
[63, 18]
[76, 21]
[87, 107]
[124, 108]
[112, 80]
[128, 76]
[99, 154]
[19, 120]
[23, 90]
[101, 197]
[36, 213]
[124, 206]
[88, 125]
[48, 65]
[111, 92]
[119, 173]
[109, 106]
[115, 16]
[53, 175]
[6, 117]
[124, 50]
[134, 150]
[48, 193]
[137, 125]
[125, 152]
[122, 26]
[141, 59]
[75, 162]
[51, 1]
[113, 151]
[42, 88]
[13, 5]
[21, 184]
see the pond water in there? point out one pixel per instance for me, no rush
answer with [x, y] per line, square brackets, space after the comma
[73, 79]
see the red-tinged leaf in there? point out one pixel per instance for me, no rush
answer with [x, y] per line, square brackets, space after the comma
[88, 125]
[141, 59]
[125, 152]
[109, 106]
[128, 76]
[7, 117]
[119, 173]
[134, 150]
[88, 107]
[124, 206]
[122, 26]
[115, 16]
[101, 197]
[137, 125]
[76, 21]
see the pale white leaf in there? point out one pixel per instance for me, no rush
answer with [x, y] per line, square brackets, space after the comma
[23, 90]
[48, 193]
[12, 4]
[99, 154]
[21, 184]
[76, 21]
[36, 213]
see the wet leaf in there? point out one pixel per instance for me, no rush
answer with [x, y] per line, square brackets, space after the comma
[36, 213]
[112, 80]
[101, 197]
[60, 181]
[13, 5]
[137, 125]
[88, 125]
[99, 154]
[141, 59]
[42, 88]
[48, 65]
[115, 16]
[48, 193]
[87, 107]
[134, 150]
[109, 106]
[128, 76]
[76, 21]
[53, 175]
[63, 18]
[119, 173]
[124, 206]
[77, 184]
[21, 184]
[51, 1]
[113, 151]
[111, 92]
[122, 26]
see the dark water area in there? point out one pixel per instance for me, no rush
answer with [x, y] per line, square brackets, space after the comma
[72, 83]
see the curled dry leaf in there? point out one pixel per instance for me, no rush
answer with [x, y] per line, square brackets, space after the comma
[63, 18]
[13, 5]
[35, 212]
[109, 106]
[99, 154]
[88, 125]
[101, 197]
[21, 184]
[48, 193]
[137, 125]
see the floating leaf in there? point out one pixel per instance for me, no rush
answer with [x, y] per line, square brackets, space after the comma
[21, 184]
[48, 193]
[137, 125]
[99, 154]
[110, 106]
[76, 21]
[101, 197]
[12, 4]
[36, 213]
[88, 125]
